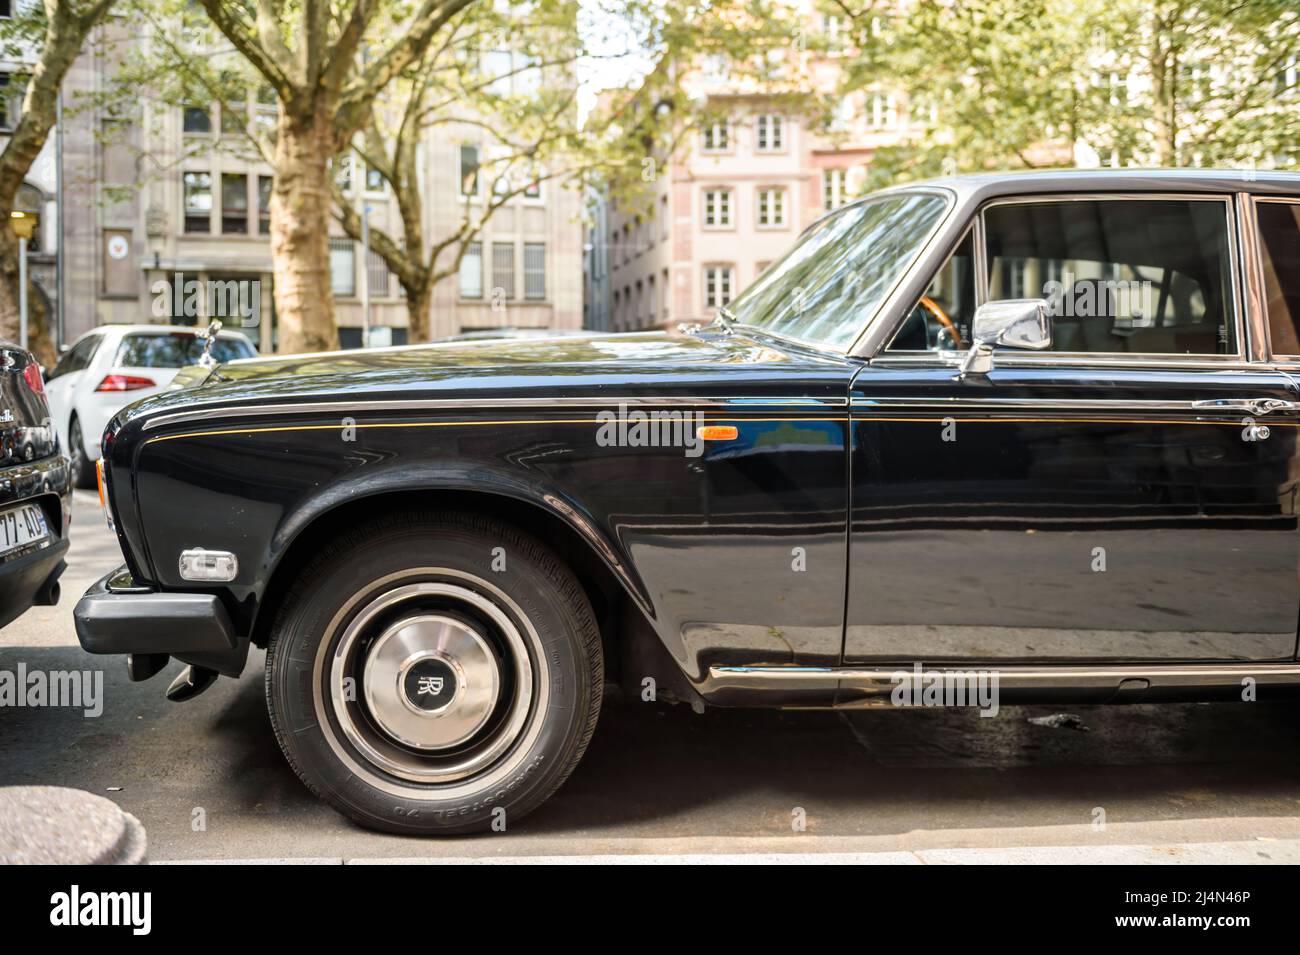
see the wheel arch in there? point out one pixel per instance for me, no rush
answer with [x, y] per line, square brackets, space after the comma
[612, 586]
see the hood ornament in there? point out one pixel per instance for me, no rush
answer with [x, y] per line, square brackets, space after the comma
[208, 336]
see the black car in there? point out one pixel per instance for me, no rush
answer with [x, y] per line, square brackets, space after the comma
[34, 489]
[977, 439]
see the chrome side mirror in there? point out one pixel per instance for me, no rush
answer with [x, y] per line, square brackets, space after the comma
[1012, 323]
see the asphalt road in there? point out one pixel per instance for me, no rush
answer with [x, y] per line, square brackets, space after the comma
[1207, 781]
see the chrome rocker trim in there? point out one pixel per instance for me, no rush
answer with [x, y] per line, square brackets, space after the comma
[854, 687]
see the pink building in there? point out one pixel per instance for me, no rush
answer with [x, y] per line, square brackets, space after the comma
[748, 179]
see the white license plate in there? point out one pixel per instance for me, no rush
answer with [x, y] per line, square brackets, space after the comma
[21, 526]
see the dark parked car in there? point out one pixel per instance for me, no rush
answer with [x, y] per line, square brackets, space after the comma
[1038, 431]
[34, 489]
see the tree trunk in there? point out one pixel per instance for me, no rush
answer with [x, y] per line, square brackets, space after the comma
[300, 222]
[419, 299]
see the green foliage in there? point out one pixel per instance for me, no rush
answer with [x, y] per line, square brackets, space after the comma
[1128, 82]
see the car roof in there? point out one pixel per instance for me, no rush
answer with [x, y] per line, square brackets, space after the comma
[991, 185]
[154, 330]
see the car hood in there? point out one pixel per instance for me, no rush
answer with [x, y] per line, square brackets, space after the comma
[475, 358]
[599, 365]
[492, 367]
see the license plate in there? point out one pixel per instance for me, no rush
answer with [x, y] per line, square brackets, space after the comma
[21, 527]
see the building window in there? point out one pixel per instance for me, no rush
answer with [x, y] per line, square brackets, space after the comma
[834, 188]
[663, 218]
[471, 271]
[469, 170]
[770, 134]
[234, 203]
[716, 136]
[6, 9]
[717, 208]
[343, 267]
[771, 207]
[535, 270]
[196, 119]
[266, 109]
[264, 184]
[10, 102]
[717, 286]
[884, 111]
[197, 187]
[664, 286]
[533, 190]
[376, 275]
[234, 118]
[374, 179]
[503, 269]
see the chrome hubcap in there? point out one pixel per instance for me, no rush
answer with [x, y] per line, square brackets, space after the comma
[431, 681]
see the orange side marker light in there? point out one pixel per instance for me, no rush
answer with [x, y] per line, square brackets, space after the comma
[717, 432]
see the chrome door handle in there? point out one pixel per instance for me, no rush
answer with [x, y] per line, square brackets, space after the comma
[1251, 406]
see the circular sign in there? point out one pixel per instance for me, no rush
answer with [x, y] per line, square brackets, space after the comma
[118, 247]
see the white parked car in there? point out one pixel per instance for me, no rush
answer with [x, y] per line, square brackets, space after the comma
[111, 366]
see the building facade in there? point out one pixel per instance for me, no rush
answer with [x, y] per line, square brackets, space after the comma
[750, 176]
[169, 195]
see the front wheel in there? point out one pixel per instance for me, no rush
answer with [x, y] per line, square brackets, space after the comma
[434, 673]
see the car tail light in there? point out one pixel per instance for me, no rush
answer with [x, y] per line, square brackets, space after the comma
[32, 375]
[125, 383]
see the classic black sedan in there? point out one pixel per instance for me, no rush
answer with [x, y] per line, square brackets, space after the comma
[35, 489]
[1028, 436]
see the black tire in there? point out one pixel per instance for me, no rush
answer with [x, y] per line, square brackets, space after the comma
[392, 584]
[83, 469]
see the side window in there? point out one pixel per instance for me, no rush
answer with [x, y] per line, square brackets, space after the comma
[941, 319]
[1142, 276]
[77, 357]
[1279, 233]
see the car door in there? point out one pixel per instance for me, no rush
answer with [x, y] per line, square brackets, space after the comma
[1128, 495]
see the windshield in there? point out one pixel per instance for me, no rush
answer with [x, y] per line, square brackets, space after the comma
[835, 278]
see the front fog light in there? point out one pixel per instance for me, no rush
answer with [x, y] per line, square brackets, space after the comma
[200, 564]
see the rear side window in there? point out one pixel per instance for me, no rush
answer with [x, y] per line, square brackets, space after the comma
[176, 350]
[1142, 276]
[1279, 233]
[77, 357]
